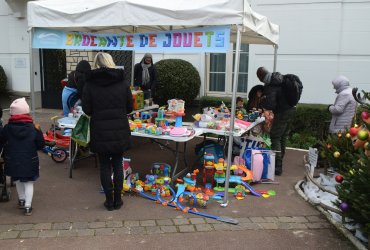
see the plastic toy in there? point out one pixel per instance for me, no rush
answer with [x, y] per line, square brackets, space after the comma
[58, 155]
[174, 204]
[208, 168]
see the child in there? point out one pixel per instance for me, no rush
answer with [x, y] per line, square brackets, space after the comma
[240, 110]
[21, 140]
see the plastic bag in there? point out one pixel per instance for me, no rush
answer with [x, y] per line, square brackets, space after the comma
[81, 133]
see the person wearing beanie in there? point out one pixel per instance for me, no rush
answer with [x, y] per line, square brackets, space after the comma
[72, 92]
[344, 107]
[145, 75]
[21, 139]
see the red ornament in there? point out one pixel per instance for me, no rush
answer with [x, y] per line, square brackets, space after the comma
[339, 178]
[353, 131]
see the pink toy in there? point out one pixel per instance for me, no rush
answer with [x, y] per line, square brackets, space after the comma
[257, 165]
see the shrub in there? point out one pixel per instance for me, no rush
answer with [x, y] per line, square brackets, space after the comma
[176, 78]
[3, 80]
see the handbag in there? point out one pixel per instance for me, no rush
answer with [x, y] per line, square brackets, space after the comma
[81, 132]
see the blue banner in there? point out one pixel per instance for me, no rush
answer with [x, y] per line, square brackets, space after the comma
[207, 39]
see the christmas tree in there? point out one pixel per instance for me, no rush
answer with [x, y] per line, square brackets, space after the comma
[354, 189]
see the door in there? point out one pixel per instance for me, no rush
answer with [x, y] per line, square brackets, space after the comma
[53, 70]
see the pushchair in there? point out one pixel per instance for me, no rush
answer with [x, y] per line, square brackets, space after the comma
[5, 192]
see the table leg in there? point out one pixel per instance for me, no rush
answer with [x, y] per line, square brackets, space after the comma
[176, 160]
[73, 149]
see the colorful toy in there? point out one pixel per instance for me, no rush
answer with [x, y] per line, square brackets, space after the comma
[208, 168]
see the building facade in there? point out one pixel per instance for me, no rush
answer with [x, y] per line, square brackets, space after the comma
[318, 41]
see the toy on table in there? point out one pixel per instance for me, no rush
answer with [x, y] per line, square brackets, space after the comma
[176, 108]
[138, 99]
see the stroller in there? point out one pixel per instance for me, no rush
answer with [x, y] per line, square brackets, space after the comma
[5, 192]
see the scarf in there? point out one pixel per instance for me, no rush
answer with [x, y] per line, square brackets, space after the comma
[267, 78]
[21, 118]
[145, 73]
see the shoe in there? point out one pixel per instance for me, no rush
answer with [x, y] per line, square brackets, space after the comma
[27, 211]
[117, 199]
[108, 206]
[21, 204]
[118, 204]
[278, 171]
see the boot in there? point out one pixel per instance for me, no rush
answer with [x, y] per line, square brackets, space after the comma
[108, 204]
[117, 199]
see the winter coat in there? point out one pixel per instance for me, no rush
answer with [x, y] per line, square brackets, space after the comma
[342, 111]
[107, 99]
[21, 142]
[138, 77]
[274, 98]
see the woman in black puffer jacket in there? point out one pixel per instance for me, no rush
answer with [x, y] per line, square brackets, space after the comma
[107, 99]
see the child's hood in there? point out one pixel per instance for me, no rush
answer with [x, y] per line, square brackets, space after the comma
[20, 129]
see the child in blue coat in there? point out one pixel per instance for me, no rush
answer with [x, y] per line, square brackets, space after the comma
[21, 139]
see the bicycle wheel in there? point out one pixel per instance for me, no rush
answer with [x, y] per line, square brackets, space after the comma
[59, 155]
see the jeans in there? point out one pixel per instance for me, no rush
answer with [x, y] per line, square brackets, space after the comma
[107, 162]
[279, 134]
[67, 91]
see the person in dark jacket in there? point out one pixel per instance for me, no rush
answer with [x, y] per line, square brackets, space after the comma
[255, 96]
[72, 92]
[275, 101]
[107, 99]
[145, 75]
[22, 139]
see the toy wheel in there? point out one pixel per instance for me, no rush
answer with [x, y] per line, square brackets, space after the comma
[59, 155]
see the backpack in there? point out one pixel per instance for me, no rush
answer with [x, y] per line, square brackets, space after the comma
[292, 89]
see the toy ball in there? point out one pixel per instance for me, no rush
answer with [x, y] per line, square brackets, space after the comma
[339, 178]
[344, 206]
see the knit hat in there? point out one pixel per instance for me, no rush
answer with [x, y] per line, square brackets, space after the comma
[148, 55]
[19, 107]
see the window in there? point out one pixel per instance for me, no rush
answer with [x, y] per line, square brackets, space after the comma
[221, 73]
[217, 73]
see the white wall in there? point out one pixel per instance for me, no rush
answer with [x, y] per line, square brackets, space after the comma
[14, 51]
[318, 41]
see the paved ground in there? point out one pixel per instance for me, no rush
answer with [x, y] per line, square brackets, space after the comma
[69, 213]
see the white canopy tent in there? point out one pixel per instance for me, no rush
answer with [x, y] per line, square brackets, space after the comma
[139, 16]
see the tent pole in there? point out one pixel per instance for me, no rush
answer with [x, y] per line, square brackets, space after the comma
[275, 56]
[32, 83]
[233, 104]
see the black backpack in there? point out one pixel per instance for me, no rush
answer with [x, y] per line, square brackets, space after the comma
[292, 89]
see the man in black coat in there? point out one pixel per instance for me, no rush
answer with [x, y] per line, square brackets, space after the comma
[283, 113]
[107, 99]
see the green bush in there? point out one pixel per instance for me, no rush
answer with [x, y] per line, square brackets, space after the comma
[176, 78]
[3, 80]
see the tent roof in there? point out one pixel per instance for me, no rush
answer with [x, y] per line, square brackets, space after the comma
[139, 16]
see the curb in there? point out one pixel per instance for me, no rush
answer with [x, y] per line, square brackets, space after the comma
[357, 243]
